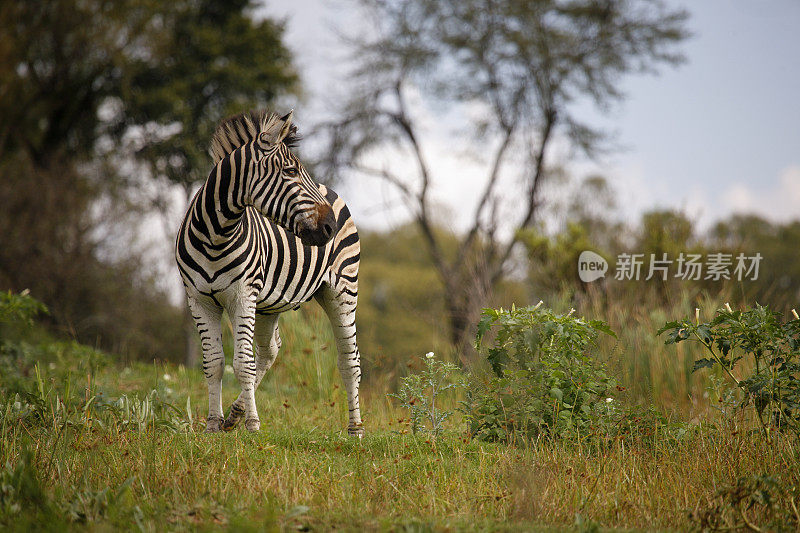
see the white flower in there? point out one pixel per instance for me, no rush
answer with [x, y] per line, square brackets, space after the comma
[167, 377]
[228, 369]
[429, 355]
[609, 400]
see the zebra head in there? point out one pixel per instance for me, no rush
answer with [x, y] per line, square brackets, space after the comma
[283, 190]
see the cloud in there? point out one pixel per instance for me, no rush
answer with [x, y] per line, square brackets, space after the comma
[778, 201]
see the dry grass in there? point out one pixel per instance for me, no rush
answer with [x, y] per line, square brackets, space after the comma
[671, 485]
[302, 472]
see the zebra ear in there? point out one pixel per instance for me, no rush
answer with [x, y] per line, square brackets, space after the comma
[277, 129]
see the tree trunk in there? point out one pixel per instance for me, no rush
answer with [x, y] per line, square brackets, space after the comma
[463, 302]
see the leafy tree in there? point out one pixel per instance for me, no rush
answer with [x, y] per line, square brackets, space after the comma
[523, 64]
[59, 60]
[81, 81]
[207, 59]
[665, 231]
[778, 281]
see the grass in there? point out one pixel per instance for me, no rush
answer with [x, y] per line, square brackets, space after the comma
[72, 459]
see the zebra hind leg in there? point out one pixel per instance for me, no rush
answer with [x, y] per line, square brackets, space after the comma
[341, 310]
[267, 343]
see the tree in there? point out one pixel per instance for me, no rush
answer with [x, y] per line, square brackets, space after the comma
[81, 81]
[524, 64]
[206, 60]
[59, 60]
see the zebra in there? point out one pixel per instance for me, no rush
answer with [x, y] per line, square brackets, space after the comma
[259, 238]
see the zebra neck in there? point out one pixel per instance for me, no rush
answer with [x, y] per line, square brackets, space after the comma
[219, 205]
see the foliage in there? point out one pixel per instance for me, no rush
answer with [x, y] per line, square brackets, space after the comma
[779, 274]
[19, 307]
[91, 505]
[60, 60]
[419, 393]
[81, 458]
[553, 260]
[94, 93]
[20, 487]
[72, 409]
[39, 381]
[546, 383]
[456, 57]
[757, 342]
[206, 60]
[21, 359]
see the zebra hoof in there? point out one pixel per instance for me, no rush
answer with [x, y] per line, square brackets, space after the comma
[356, 431]
[252, 424]
[213, 424]
[233, 419]
[230, 424]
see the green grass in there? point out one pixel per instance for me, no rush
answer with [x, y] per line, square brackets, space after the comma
[69, 463]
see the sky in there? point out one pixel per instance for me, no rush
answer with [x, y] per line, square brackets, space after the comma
[717, 135]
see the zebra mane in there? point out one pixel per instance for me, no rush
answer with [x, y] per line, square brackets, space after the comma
[240, 129]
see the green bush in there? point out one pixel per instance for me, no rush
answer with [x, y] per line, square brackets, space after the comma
[26, 350]
[47, 383]
[762, 349]
[545, 381]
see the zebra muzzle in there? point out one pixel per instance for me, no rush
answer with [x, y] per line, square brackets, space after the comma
[318, 234]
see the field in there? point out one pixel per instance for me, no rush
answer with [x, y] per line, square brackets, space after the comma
[90, 443]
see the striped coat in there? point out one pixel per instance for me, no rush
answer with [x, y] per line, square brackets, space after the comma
[261, 237]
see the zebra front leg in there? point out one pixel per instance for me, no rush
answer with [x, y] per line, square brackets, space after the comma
[341, 310]
[244, 362]
[207, 319]
[267, 343]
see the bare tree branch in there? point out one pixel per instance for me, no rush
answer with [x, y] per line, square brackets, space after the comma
[524, 61]
[487, 192]
[532, 200]
[387, 176]
[422, 217]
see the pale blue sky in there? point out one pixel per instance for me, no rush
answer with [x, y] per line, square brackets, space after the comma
[719, 134]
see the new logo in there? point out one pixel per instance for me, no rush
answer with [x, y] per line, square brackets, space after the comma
[591, 266]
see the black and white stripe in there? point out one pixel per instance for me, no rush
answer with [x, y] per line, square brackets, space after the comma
[261, 237]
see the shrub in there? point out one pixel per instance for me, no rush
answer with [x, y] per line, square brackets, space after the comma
[756, 343]
[19, 307]
[26, 349]
[420, 392]
[545, 381]
[39, 381]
